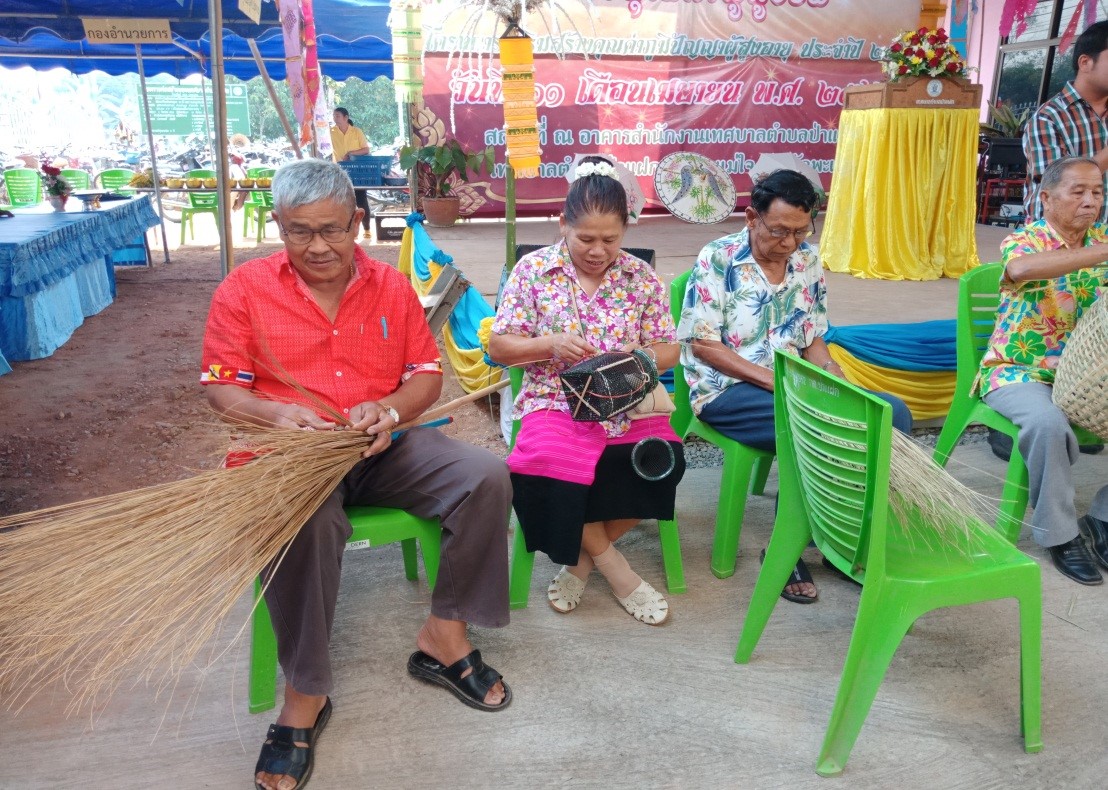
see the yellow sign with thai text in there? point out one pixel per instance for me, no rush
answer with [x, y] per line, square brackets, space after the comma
[103, 30]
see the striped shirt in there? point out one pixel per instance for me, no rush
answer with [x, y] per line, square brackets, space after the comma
[1066, 125]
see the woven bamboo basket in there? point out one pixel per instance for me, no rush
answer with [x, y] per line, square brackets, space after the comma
[1081, 381]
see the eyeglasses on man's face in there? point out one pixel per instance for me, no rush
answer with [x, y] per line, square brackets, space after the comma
[784, 233]
[332, 234]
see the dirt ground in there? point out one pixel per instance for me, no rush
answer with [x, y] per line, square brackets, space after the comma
[119, 406]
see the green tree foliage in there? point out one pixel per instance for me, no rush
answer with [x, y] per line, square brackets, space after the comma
[265, 124]
[372, 107]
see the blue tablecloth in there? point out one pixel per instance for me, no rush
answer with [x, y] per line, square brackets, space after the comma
[56, 270]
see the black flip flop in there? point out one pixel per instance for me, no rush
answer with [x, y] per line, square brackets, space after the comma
[280, 754]
[471, 689]
[800, 575]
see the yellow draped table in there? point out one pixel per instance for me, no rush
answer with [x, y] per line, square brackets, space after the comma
[903, 195]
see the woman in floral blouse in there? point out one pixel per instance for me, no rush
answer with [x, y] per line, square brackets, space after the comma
[575, 489]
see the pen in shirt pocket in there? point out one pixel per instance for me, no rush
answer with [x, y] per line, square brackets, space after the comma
[384, 328]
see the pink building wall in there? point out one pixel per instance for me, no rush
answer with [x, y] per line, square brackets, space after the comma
[982, 45]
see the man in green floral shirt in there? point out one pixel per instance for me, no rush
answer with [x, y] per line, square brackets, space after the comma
[1053, 271]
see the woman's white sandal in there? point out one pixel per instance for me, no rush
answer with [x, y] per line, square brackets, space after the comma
[646, 605]
[564, 593]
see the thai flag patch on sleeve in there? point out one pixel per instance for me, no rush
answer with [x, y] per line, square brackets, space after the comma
[227, 374]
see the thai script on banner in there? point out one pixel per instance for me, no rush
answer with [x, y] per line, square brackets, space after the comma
[101, 30]
[728, 79]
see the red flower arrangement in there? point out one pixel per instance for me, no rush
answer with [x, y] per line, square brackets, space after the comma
[55, 182]
[923, 53]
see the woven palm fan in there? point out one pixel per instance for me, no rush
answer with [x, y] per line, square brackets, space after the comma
[600, 387]
[1081, 380]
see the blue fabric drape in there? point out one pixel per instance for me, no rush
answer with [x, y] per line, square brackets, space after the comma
[923, 346]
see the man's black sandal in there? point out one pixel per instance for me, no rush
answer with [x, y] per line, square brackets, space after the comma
[471, 689]
[282, 757]
[800, 575]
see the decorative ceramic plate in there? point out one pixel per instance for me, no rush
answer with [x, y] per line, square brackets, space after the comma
[694, 188]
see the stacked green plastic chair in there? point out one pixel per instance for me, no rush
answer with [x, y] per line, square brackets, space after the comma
[198, 203]
[78, 179]
[834, 454]
[978, 298]
[114, 179]
[373, 526]
[258, 204]
[24, 187]
[744, 468]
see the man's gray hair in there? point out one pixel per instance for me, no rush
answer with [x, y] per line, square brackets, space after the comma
[308, 181]
[1054, 172]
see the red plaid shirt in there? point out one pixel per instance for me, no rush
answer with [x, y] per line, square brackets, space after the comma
[1065, 125]
[264, 322]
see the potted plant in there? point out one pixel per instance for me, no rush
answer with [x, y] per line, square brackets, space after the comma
[1005, 121]
[444, 165]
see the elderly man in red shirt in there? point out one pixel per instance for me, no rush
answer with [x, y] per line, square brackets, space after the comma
[351, 331]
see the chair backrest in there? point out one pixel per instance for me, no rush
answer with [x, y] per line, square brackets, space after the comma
[834, 451]
[24, 186]
[114, 178]
[978, 298]
[682, 414]
[202, 200]
[78, 179]
[260, 172]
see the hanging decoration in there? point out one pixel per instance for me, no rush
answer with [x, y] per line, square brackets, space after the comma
[1086, 8]
[407, 50]
[1015, 13]
[289, 14]
[521, 123]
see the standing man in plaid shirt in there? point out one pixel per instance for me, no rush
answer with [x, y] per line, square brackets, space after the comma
[1073, 122]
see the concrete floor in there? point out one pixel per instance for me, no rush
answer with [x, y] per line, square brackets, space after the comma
[603, 701]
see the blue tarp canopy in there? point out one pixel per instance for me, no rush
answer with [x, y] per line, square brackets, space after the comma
[353, 37]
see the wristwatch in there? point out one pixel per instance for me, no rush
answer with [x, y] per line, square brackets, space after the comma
[391, 412]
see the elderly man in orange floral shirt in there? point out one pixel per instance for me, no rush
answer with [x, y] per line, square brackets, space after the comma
[350, 330]
[1053, 271]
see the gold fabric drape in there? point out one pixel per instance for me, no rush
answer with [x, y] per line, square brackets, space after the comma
[903, 196]
[927, 394]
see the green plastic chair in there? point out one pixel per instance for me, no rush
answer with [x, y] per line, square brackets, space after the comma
[78, 179]
[198, 203]
[523, 561]
[373, 526]
[834, 452]
[744, 468]
[114, 179]
[978, 298]
[258, 204]
[24, 187]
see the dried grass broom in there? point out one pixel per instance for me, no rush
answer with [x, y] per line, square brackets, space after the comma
[127, 588]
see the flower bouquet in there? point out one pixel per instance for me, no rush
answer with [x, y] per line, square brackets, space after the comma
[923, 53]
[57, 188]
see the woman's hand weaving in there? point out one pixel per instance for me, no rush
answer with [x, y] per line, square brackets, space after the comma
[571, 348]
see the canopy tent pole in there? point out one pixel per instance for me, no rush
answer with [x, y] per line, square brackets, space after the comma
[207, 118]
[273, 97]
[219, 110]
[153, 153]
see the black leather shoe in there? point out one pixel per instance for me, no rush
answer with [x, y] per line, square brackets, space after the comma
[1096, 533]
[1073, 560]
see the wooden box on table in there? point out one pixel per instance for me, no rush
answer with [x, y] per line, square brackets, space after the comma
[939, 93]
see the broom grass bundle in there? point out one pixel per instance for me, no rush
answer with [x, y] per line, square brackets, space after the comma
[127, 588]
[928, 503]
